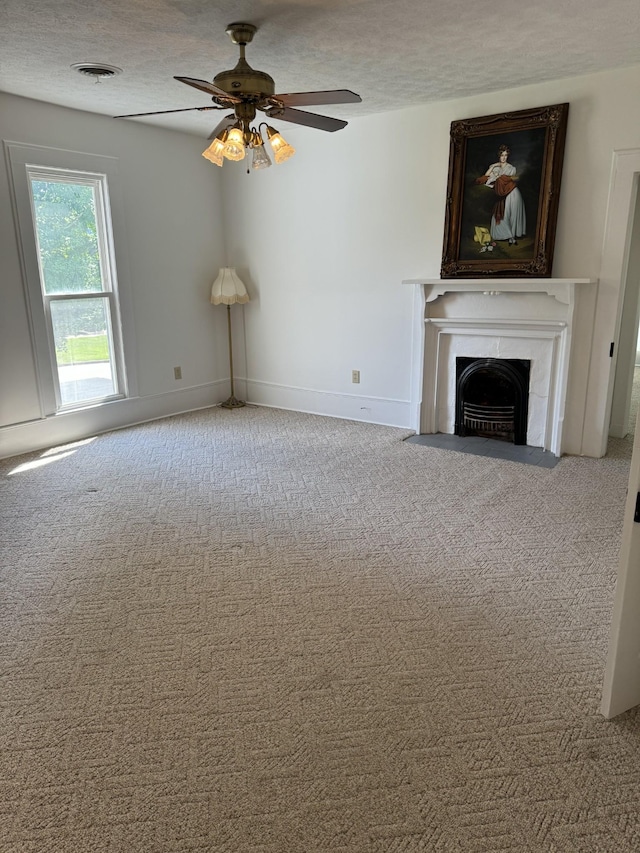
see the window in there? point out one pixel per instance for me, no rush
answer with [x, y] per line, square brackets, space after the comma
[76, 278]
[79, 313]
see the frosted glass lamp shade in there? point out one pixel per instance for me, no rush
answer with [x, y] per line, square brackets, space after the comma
[261, 159]
[234, 146]
[281, 149]
[228, 288]
[214, 152]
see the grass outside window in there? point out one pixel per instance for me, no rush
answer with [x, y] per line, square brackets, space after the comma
[83, 348]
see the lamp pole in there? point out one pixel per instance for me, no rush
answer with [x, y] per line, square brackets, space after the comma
[232, 402]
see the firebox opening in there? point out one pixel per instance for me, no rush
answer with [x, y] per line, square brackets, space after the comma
[492, 398]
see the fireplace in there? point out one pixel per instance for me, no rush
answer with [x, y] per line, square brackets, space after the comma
[522, 320]
[492, 398]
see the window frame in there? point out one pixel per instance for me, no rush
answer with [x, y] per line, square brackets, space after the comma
[39, 162]
[108, 279]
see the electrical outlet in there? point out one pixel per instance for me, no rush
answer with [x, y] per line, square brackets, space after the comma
[355, 376]
[177, 373]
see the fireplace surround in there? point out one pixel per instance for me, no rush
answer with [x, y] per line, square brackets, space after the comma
[521, 319]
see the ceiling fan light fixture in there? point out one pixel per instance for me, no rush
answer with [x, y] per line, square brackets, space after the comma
[281, 149]
[234, 145]
[245, 91]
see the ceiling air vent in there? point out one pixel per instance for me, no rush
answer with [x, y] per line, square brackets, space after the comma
[99, 71]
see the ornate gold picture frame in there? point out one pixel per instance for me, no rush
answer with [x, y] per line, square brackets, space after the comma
[503, 192]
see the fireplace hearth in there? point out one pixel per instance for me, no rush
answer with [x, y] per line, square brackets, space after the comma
[492, 397]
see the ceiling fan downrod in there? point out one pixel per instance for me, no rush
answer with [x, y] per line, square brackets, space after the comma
[243, 80]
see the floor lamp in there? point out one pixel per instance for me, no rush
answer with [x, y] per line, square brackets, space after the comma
[226, 290]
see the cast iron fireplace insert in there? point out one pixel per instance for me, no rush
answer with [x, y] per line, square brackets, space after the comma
[492, 398]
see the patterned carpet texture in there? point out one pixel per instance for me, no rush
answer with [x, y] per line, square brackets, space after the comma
[258, 631]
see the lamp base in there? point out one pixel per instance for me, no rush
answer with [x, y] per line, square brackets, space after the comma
[232, 403]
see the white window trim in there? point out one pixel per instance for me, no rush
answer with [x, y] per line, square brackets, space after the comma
[23, 161]
[109, 291]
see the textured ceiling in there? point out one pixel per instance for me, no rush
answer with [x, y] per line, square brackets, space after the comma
[395, 53]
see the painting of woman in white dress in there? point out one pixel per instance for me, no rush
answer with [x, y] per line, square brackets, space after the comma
[508, 217]
[501, 202]
[500, 219]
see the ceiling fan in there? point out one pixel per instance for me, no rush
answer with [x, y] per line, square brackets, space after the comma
[245, 91]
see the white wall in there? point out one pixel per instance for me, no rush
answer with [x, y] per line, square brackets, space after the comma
[170, 200]
[325, 240]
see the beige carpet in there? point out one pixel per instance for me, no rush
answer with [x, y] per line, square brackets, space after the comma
[255, 631]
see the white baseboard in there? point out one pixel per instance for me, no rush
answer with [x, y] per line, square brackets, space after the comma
[354, 407]
[83, 423]
[618, 430]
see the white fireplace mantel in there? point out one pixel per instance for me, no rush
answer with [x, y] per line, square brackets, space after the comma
[561, 289]
[435, 337]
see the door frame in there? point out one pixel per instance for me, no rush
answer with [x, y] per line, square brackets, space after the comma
[613, 272]
[627, 341]
[621, 686]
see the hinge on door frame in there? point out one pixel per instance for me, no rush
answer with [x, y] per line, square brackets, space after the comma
[611, 349]
[636, 516]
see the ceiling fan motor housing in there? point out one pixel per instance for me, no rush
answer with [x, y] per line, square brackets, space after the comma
[244, 80]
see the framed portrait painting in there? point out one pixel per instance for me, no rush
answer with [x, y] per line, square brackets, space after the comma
[502, 193]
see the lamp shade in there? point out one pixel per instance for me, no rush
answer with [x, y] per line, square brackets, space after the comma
[281, 148]
[261, 159]
[234, 146]
[228, 288]
[214, 152]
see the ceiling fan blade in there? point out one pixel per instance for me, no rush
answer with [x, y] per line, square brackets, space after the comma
[161, 112]
[334, 96]
[209, 88]
[308, 119]
[227, 121]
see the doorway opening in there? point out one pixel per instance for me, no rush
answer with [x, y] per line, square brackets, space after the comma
[626, 389]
